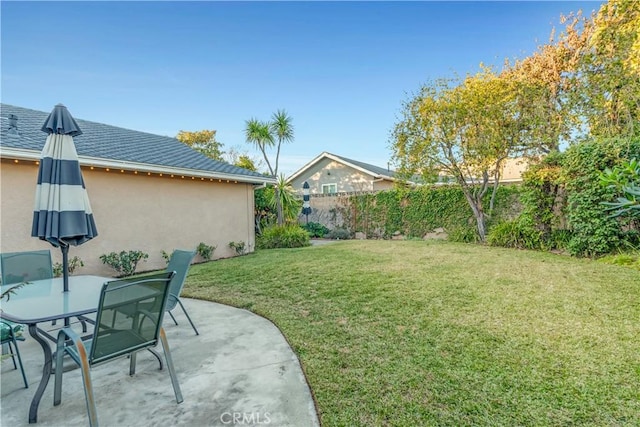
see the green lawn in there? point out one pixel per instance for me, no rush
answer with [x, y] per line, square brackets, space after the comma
[415, 333]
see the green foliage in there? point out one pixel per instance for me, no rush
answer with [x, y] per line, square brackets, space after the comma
[284, 196]
[74, 264]
[559, 239]
[265, 213]
[517, 234]
[419, 211]
[315, 229]
[338, 234]
[203, 141]
[166, 256]
[125, 262]
[463, 234]
[239, 247]
[630, 259]
[246, 162]
[205, 251]
[625, 180]
[542, 195]
[283, 236]
[595, 232]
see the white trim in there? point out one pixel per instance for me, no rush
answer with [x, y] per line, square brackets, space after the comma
[335, 158]
[24, 154]
[330, 185]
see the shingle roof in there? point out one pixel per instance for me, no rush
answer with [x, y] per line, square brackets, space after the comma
[108, 142]
[376, 170]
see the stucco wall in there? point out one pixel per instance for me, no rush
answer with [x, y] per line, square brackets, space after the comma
[134, 212]
[328, 171]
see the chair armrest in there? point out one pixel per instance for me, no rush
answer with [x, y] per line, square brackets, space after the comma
[68, 333]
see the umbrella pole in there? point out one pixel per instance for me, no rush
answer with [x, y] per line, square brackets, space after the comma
[65, 266]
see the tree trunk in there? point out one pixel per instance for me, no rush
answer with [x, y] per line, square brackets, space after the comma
[478, 213]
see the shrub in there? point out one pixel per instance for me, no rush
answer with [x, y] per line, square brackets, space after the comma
[166, 256]
[74, 264]
[464, 234]
[515, 234]
[205, 251]
[125, 262]
[285, 236]
[338, 234]
[559, 239]
[315, 229]
[595, 232]
[238, 247]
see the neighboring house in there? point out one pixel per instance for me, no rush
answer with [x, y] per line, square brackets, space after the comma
[331, 174]
[512, 170]
[147, 192]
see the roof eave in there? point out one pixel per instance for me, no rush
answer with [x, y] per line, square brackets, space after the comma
[24, 154]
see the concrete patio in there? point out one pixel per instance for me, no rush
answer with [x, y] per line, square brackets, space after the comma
[239, 371]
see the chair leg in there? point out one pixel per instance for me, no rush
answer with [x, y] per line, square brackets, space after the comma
[173, 318]
[170, 368]
[88, 392]
[188, 317]
[132, 364]
[57, 383]
[13, 356]
[157, 355]
[24, 377]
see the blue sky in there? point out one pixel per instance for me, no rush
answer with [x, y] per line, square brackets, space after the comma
[340, 69]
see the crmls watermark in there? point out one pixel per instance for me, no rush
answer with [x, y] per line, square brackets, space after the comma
[245, 418]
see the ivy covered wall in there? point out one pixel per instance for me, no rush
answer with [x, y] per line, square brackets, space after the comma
[412, 213]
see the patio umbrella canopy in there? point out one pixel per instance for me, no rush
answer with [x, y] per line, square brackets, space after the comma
[62, 213]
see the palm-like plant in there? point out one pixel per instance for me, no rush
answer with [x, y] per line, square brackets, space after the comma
[285, 196]
[282, 129]
[259, 134]
[264, 135]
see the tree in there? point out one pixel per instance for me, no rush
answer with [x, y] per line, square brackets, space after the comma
[607, 90]
[466, 129]
[283, 130]
[203, 141]
[246, 162]
[236, 157]
[265, 135]
[259, 134]
[546, 80]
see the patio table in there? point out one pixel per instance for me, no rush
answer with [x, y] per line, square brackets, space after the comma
[43, 301]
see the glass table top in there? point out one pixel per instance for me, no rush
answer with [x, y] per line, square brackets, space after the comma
[43, 300]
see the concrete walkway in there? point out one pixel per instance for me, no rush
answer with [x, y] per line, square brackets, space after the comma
[239, 371]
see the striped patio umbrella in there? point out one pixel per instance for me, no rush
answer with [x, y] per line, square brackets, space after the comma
[306, 204]
[62, 213]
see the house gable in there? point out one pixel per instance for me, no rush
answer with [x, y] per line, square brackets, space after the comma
[342, 174]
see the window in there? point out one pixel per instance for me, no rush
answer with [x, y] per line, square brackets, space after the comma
[329, 188]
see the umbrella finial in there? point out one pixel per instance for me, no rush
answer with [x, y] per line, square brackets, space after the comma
[61, 121]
